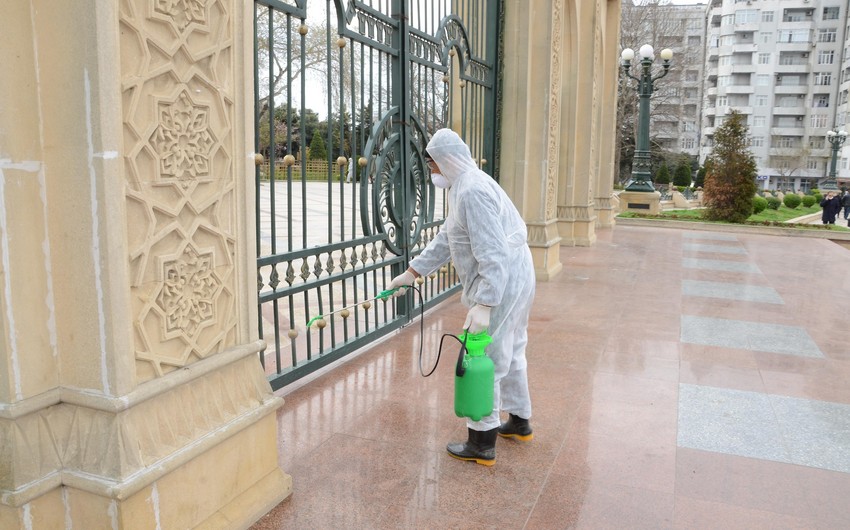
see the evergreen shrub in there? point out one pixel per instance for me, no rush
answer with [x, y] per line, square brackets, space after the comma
[792, 200]
[809, 201]
[759, 204]
[773, 203]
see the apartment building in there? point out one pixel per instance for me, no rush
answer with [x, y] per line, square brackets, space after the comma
[675, 119]
[782, 63]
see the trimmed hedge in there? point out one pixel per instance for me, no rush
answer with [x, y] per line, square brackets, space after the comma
[773, 203]
[809, 201]
[792, 200]
[759, 204]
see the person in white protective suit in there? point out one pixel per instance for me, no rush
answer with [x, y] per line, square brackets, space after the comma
[485, 237]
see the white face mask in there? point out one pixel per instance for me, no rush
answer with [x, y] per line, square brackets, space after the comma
[440, 180]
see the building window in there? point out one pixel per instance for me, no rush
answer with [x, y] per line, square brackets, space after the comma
[826, 56]
[820, 100]
[764, 58]
[816, 142]
[767, 16]
[766, 36]
[784, 142]
[691, 93]
[759, 121]
[727, 40]
[726, 60]
[747, 16]
[689, 126]
[826, 35]
[757, 141]
[762, 80]
[793, 35]
[761, 101]
[688, 143]
[694, 40]
[813, 164]
[818, 120]
[830, 13]
[823, 78]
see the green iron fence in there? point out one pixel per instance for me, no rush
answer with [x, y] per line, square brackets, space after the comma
[348, 94]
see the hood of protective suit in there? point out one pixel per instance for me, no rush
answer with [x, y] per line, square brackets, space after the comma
[450, 153]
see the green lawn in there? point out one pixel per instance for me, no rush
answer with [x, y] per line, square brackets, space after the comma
[767, 217]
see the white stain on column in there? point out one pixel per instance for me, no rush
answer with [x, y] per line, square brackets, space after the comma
[45, 245]
[27, 516]
[155, 505]
[69, 524]
[7, 288]
[101, 318]
[113, 513]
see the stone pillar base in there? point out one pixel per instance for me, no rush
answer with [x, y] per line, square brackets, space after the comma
[641, 202]
[607, 209]
[232, 485]
[545, 245]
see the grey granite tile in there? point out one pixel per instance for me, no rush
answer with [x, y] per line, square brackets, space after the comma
[731, 291]
[719, 265]
[729, 421]
[764, 426]
[718, 249]
[753, 336]
[710, 235]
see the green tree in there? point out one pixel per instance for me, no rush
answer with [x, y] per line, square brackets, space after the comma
[683, 175]
[662, 176]
[317, 148]
[730, 183]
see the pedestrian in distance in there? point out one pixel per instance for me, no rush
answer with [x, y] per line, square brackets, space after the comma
[845, 203]
[485, 238]
[831, 205]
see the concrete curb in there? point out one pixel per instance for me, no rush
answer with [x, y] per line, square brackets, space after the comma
[819, 233]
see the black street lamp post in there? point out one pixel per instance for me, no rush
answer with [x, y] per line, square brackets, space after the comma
[641, 164]
[835, 139]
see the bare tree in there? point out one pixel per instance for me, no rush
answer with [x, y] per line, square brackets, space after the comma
[652, 22]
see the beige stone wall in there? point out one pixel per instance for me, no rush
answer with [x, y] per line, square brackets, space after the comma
[557, 157]
[128, 365]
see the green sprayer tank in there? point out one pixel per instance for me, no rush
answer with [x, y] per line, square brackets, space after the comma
[474, 378]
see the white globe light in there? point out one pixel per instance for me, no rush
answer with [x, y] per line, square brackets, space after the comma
[647, 51]
[628, 54]
[843, 134]
[666, 54]
[830, 133]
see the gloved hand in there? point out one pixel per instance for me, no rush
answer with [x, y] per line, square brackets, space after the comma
[478, 319]
[402, 281]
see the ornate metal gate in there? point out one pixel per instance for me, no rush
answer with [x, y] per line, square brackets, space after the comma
[348, 93]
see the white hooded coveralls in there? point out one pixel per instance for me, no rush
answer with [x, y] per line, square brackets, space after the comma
[485, 237]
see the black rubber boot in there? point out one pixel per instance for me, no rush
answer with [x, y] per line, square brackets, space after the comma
[479, 448]
[517, 428]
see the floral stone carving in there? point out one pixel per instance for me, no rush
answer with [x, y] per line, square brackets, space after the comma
[183, 139]
[188, 293]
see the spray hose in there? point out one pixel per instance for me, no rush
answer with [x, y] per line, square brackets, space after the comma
[384, 295]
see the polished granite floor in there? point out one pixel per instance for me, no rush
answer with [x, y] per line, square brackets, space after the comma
[680, 379]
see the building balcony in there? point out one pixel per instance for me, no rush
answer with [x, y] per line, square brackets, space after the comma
[739, 89]
[742, 110]
[794, 46]
[743, 68]
[790, 111]
[745, 48]
[711, 92]
[789, 130]
[746, 28]
[708, 131]
[712, 54]
[791, 89]
[802, 68]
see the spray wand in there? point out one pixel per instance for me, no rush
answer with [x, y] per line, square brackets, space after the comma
[346, 311]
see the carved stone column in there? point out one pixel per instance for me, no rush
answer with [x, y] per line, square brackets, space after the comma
[531, 129]
[584, 123]
[605, 203]
[131, 393]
